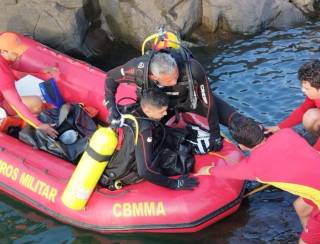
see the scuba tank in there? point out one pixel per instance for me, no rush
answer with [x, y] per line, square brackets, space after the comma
[91, 166]
[89, 169]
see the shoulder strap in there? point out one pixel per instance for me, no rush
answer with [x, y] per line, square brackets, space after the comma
[192, 94]
[142, 71]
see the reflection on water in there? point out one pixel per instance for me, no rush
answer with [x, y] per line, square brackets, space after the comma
[259, 77]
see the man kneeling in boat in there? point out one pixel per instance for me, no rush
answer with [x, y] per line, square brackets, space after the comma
[138, 161]
[284, 160]
[27, 107]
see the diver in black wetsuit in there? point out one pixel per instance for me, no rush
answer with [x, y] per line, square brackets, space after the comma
[166, 70]
[130, 162]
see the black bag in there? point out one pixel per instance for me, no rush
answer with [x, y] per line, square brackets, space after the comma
[175, 154]
[69, 116]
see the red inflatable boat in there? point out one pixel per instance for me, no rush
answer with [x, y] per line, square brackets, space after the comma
[38, 179]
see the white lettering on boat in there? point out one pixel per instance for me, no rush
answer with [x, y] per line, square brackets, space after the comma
[138, 209]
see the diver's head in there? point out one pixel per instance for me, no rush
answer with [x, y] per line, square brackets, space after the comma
[164, 69]
[154, 103]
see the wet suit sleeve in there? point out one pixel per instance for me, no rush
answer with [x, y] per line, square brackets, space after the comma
[296, 115]
[144, 155]
[205, 98]
[239, 171]
[121, 74]
[225, 111]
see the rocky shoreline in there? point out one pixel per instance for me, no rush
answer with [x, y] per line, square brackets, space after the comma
[92, 28]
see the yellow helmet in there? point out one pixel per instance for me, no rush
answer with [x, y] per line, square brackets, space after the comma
[168, 39]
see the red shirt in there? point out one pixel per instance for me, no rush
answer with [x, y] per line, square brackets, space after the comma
[284, 160]
[9, 93]
[296, 116]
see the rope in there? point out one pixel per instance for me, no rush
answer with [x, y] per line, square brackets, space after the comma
[260, 188]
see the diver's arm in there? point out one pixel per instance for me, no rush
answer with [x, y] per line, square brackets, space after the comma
[121, 74]
[205, 98]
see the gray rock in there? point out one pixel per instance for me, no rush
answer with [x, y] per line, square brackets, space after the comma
[309, 7]
[132, 21]
[89, 27]
[247, 16]
[288, 15]
[50, 22]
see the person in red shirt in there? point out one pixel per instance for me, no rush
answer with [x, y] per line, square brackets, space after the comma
[309, 76]
[309, 114]
[27, 107]
[284, 160]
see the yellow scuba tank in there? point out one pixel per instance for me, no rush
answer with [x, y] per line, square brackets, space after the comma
[169, 39]
[89, 169]
[161, 40]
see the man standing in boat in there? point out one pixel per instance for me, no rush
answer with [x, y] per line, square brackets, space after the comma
[183, 79]
[27, 107]
[284, 160]
[133, 162]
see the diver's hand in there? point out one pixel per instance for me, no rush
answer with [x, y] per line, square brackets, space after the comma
[186, 183]
[48, 130]
[216, 143]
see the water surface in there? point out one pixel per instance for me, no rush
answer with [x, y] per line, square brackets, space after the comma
[257, 75]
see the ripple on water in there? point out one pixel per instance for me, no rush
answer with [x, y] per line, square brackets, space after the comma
[258, 76]
[267, 90]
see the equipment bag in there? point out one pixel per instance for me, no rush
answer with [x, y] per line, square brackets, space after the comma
[70, 120]
[175, 155]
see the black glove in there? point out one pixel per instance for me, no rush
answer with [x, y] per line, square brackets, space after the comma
[114, 118]
[216, 143]
[186, 183]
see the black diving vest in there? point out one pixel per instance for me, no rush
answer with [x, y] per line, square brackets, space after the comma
[122, 166]
[178, 94]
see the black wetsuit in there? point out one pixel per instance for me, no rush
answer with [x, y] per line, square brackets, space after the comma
[209, 106]
[140, 158]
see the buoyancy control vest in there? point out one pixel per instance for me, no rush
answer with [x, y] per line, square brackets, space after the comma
[179, 94]
[122, 167]
[142, 73]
